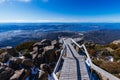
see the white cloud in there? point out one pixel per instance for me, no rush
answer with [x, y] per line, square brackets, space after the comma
[24, 0]
[3, 1]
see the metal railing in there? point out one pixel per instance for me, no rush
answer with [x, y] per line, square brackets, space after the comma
[93, 66]
[59, 61]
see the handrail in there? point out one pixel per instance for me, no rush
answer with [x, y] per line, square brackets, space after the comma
[58, 63]
[104, 73]
[86, 52]
[88, 56]
[93, 66]
[76, 43]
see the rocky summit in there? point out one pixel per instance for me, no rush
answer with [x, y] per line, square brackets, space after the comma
[31, 65]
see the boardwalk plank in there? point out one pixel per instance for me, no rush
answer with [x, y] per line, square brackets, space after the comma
[73, 67]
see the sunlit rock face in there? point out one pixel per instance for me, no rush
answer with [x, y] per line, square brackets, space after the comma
[116, 42]
[11, 51]
[29, 65]
[6, 73]
[17, 74]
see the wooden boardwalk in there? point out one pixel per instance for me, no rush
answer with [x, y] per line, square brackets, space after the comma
[74, 67]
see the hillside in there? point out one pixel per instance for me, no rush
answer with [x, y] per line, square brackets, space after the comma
[102, 36]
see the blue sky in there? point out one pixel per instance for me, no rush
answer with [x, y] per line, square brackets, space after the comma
[59, 10]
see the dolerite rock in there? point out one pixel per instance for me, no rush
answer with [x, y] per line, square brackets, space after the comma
[46, 42]
[37, 46]
[42, 75]
[34, 54]
[11, 51]
[53, 42]
[40, 50]
[58, 74]
[14, 64]
[56, 44]
[27, 63]
[2, 69]
[17, 74]
[57, 53]
[6, 74]
[40, 59]
[4, 57]
[28, 55]
[45, 68]
[27, 73]
[19, 60]
[49, 54]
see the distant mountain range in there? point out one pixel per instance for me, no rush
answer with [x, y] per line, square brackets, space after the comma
[101, 33]
[99, 36]
[14, 39]
[102, 36]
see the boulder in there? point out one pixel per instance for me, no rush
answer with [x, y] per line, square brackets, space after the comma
[27, 63]
[40, 50]
[6, 74]
[116, 42]
[34, 55]
[19, 60]
[37, 46]
[42, 75]
[53, 42]
[58, 74]
[45, 68]
[27, 73]
[17, 74]
[40, 59]
[46, 42]
[56, 44]
[57, 53]
[14, 64]
[28, 55]
[49, 54]
[4, 57]
[11, 51]
[2, 69]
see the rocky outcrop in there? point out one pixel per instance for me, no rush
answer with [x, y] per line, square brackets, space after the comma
[26, 74]
[13, 64]
[46, 42]
[116, 42]
[6, 74]
[49, 54]
[27, 63]
[45, 54]
[11, 51]
[4, 57]
[43, 73]
[17, 74]
[56, 44]
[46, 68]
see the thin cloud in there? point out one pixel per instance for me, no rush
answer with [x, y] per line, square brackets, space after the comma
[24, 0]
[4, 1]
[1, 1]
